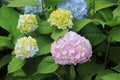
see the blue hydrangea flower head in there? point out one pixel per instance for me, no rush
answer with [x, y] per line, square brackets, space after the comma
[78, 8]
[34, 9]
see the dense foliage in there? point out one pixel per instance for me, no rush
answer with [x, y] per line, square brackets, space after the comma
[100, 24]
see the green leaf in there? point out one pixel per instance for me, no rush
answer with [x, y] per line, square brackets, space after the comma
[88, 77]
[79, 24]
[16, 35]
[44, 50]
[98, 22]
[5, 60]
[116, 16]
[44, 44]
[15, 65]
[111, 76]
[112, 23]
[93, 34]
[4, 41]
[46, 28]
[107, 14]
[52, 3]
[47, 65]
[72, 73]
[20, 3]
[8, 19]
[95, 38]
[19, 73]
[116, 12]
[89, 69]
[114, 34]
[31, 65]
[88, 2]
[58, 33]
[42, 76]
[104, 3]
[102, 73]
[43, 41]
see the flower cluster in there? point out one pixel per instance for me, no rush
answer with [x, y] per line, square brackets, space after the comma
[61, 18]
[78, 8]
[27, 23]
[71, 49]
[26, 47]
[35, 9]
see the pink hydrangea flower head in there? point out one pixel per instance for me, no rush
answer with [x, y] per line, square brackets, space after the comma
[71, 49]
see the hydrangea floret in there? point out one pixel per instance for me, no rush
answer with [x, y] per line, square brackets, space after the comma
[35, 9]
[78, 8]
[26, 47]
[71, 49]
[61, 18]
[27, 23]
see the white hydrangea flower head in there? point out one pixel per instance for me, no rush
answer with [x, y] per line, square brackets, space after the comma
[26, 47]
[27, 23]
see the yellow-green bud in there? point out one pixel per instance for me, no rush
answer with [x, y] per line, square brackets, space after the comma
[61, 18]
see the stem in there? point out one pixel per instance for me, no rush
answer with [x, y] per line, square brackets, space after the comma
[107, 52]
[93, 3]
[6, 76]
[61, 70]
[43, 6]
[58, 75]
